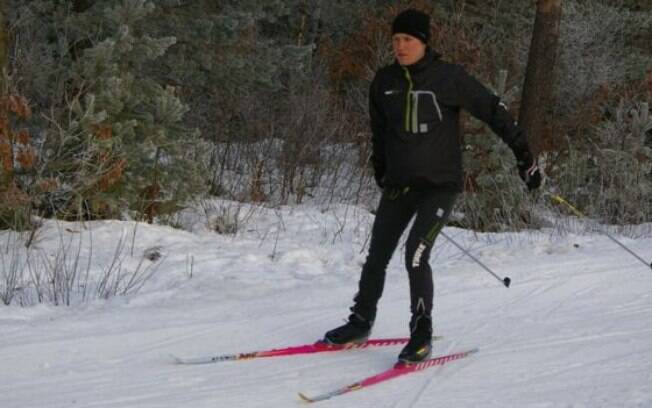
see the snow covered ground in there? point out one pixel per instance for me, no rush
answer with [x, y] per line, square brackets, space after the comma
[572, 331]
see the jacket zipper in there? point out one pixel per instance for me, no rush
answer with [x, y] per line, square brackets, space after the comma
[408, 103]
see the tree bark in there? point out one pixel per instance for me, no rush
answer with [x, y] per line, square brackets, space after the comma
[4, 44]
[79, 6]
[537, 99]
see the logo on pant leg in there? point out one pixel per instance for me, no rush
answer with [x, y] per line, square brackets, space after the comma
[416, 260]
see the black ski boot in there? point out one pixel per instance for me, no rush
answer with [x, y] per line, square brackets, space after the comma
[419, 347]
[355, 331]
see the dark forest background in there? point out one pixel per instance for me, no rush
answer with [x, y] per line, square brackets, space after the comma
[135, 109]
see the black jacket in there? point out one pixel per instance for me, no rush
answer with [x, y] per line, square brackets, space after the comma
[415, 123]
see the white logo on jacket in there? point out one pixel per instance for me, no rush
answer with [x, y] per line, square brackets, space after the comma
[422, 127]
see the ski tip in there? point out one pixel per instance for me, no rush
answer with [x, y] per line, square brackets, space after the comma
[305, 398]
[470, 351]
[189, 360]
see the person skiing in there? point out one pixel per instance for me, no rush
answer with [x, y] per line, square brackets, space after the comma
[414, 109]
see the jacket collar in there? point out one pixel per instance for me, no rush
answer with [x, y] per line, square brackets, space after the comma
[427, 59]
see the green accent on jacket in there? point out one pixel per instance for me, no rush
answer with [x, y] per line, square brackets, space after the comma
[408, 102]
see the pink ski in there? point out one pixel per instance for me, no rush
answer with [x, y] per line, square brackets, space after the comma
[318, 347]
[396, 371]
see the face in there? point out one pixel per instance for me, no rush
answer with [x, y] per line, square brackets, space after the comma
[407, 49]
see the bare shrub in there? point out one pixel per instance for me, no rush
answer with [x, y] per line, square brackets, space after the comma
[227, 218]
[612, 179]
[12, 267]
[118, 280]
[593, 50]
[63, 271]
[68, 274]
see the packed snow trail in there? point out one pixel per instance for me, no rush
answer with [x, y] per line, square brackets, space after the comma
[572, 330]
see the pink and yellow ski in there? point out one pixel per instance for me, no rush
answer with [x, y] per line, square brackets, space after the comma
[399, 369]
[318, 347]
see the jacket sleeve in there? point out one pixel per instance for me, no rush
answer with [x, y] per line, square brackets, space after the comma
[486, 106]
[378, 123]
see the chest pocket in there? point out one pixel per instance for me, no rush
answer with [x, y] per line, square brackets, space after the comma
[423, 113]
[394, 105]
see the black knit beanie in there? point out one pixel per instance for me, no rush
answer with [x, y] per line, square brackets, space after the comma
[413, 22]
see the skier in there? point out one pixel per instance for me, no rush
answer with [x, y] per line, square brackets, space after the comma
[414, 107]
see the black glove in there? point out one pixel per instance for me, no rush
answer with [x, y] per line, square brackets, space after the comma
[528, 169]
[530, 175]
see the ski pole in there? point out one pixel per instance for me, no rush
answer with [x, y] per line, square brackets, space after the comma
[505, 281]
[577, 212]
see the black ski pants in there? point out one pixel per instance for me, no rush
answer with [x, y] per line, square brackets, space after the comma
[397, 207]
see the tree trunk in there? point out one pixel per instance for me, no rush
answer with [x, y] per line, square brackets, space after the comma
[4, 44]
[79, 6]
[536, 103]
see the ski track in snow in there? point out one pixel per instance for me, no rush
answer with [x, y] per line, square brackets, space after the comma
[572, 331]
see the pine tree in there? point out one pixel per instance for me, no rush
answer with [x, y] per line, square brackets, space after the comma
[123, 146]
